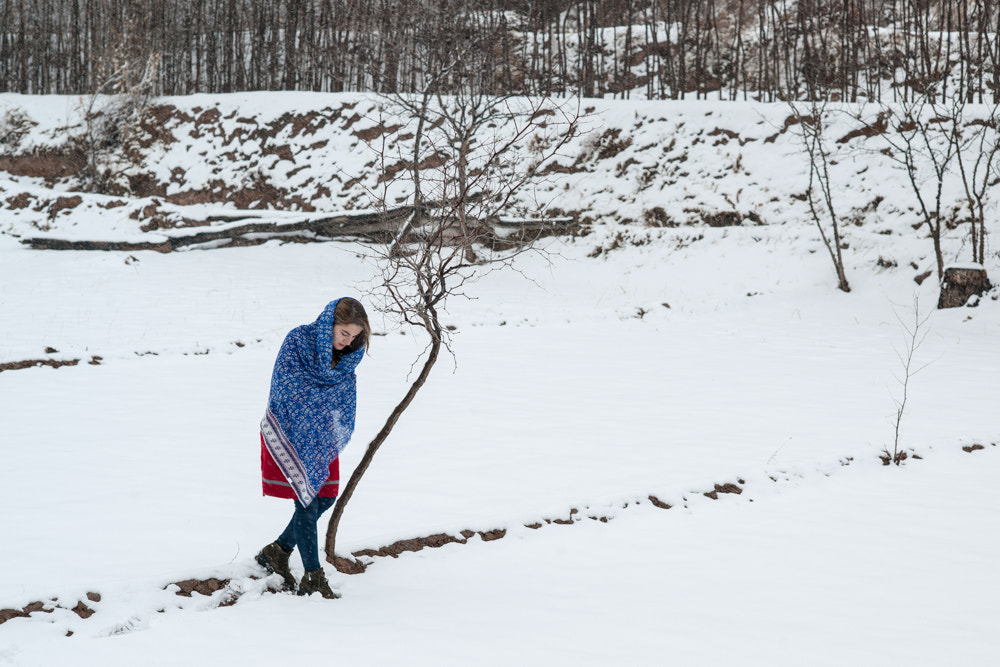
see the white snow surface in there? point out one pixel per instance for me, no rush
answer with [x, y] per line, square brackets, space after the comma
[673, 360]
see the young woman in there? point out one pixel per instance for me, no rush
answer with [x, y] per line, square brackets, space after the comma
[309, 421]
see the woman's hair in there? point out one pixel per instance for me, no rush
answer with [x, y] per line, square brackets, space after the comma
[350, 311]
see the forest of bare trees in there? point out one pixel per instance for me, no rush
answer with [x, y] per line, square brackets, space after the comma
[881, 50]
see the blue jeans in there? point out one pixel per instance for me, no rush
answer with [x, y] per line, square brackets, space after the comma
[301, 531]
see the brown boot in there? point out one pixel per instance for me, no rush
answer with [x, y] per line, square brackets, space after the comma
[315, 582]
[274, 559]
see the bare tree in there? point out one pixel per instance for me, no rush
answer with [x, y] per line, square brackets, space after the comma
[924, 144]
[811, 128]
[977, 147]
[469, 187]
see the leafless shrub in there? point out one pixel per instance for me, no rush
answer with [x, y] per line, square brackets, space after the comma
[112, 113]
[915, 332]
[14, 124]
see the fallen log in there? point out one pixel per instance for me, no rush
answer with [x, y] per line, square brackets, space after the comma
[365, 224]
[377, 226]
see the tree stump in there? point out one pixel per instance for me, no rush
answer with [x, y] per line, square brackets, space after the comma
[962, 282]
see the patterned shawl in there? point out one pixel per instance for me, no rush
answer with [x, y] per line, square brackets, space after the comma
[310, 413]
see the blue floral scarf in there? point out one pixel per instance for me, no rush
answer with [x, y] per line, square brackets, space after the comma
[311, 409]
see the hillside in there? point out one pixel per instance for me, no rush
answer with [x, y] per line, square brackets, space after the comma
[207, 163]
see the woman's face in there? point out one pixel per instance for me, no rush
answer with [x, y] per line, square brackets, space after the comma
[344, 335]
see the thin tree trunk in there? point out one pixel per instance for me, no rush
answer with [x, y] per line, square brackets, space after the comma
[345, 564]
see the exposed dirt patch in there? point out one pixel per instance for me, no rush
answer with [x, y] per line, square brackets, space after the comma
[7, 614]
[203, 586]
[725, 135]
[880, 126]
[374, 133]
[431, 162]
[208, 117]
[311, 122]
[348, 566]
[52, 363]
[659, 503]
[724, 488]
[284, 152]
[890, 458]
[610, 145]
[211, 586]
[789, 122]
[491, 535]
[154, 122]
[31, 363]
[22, 200]
[64, 203]
[145, 185]
[217, 191]
[565, 522]
[723, 219]
[259, 194]
[658, 217]
[48, 165]
[554, 167]
[415, 544]
[622, 169]
[80, 608]
[305, 124]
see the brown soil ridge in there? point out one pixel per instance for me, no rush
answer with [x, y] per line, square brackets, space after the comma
[212, 585]
[356, 566]
[53, 363]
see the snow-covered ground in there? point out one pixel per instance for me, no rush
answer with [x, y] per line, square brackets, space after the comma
[682, 359]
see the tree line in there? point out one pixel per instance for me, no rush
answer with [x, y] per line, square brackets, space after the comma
[847, 50]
